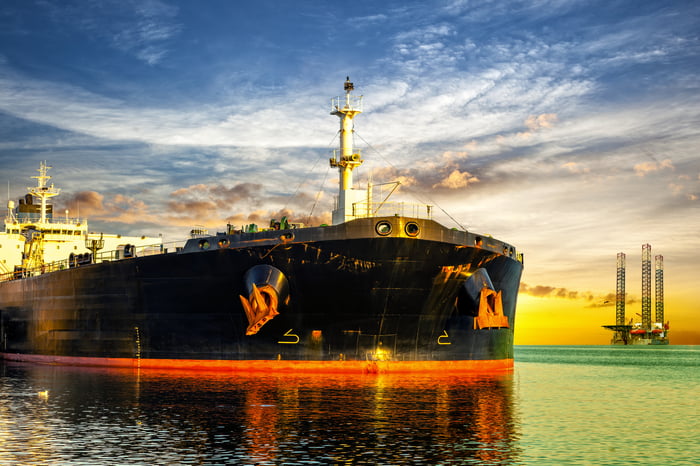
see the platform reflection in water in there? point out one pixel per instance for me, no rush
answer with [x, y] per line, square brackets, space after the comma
[62, 414]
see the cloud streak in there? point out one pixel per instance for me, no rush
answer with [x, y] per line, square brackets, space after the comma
[592, 300]
[141, 29]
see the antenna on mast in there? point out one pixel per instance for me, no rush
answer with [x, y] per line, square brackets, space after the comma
[42, 190]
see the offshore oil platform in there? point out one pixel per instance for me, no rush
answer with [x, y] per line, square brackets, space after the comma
[645, 332]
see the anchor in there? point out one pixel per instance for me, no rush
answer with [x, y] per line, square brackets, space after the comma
[259, 307]
[480, 299]
[490, 310]
[267, 287]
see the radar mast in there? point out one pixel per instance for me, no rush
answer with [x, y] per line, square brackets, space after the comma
[42, 190]
[347, 158]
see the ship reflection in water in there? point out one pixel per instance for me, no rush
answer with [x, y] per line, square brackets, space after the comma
[62, 414]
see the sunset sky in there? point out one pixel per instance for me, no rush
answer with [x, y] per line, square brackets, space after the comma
[570, 129]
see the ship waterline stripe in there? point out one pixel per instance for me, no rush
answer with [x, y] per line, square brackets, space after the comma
[268, 366]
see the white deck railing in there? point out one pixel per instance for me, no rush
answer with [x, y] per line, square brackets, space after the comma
[80, 260]
[391, 209]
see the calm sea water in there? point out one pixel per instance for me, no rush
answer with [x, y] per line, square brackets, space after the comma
[561, 405]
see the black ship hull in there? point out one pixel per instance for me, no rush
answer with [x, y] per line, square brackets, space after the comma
[350, 297]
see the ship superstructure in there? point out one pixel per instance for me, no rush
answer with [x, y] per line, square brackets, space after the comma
[380, 289]
[37, 240]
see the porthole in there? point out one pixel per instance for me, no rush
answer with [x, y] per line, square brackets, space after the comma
[223, 243]
[478, 241]
[204, 244]
[412, 229]
[383, 228]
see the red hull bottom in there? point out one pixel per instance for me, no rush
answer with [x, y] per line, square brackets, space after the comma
[273, 366]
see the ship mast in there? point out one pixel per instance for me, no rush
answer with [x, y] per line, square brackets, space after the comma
[347, 158]
[42, 191]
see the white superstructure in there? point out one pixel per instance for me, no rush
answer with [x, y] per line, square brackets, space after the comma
[35, 237]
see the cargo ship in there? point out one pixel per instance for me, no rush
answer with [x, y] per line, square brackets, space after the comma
[383, 288]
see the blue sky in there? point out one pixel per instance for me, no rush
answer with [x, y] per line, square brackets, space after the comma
[567, 128]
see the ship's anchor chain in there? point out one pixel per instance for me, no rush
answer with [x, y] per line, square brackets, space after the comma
[267, 287]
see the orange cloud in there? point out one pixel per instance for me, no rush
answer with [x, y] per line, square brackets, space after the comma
[456, 180]
[219, 194]
[449, 156]
[119, 208]
[212, 206]
[537, 122]
[594, 300]
[84, 204]
[676, 189]
[641, 169]
[263, 217]
[574, 167]
[392, 174]
[127, 210]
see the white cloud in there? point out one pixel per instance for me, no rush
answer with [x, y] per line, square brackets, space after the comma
[424, 34]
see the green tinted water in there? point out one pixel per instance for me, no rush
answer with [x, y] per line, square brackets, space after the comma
[561, 405]
[608, 405]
